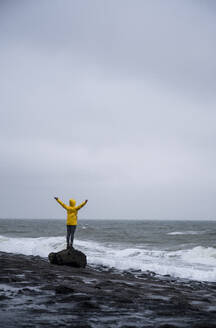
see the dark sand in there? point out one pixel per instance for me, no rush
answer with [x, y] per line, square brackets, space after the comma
[34, 293]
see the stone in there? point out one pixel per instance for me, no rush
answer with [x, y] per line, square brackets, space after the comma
[71, 257]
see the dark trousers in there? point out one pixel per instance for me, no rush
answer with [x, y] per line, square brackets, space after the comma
[70, 234]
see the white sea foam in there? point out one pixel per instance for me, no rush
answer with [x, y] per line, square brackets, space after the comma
[184, 233]
[201, 255]
[32, 246]
[198, 263]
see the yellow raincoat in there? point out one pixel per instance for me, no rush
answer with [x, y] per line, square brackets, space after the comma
[72, 210]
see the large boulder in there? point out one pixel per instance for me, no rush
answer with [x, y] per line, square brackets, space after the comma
[71, 257]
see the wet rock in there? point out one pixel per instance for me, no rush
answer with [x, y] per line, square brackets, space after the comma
[63, 296]
[71, 257]
[28, 292]
[64, 290]
[89, 305]
[4, 297]
[204, 325]
[167, 325]
[181, 303]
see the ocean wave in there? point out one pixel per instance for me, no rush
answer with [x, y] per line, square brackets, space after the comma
[185, 233]
[200, 255]
[198, 263]
[32, 246]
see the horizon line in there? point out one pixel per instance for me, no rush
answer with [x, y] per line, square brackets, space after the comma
[113, 219]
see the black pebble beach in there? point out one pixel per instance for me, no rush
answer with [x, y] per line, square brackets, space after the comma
[34, 293]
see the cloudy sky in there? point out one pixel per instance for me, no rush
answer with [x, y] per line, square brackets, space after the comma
[111, 101]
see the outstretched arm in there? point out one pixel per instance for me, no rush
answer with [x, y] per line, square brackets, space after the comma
[81, 205]
[61, 203]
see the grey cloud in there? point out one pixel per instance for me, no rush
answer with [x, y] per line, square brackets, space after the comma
[111, 101]
[169, 41]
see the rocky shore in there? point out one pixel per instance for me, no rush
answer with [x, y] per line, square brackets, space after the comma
[35, 293]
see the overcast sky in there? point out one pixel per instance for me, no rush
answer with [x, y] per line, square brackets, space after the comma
[112, 101]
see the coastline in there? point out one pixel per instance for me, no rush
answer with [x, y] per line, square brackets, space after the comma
[34, 293]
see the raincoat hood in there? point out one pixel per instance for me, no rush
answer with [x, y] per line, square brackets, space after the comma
[72, 202]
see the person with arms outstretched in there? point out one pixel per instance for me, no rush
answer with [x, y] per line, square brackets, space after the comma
[72, 211]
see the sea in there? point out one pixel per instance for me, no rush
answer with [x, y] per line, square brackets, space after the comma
[180, 249]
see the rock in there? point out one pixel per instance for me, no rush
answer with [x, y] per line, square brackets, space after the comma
[71, 257]
[64, 290]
